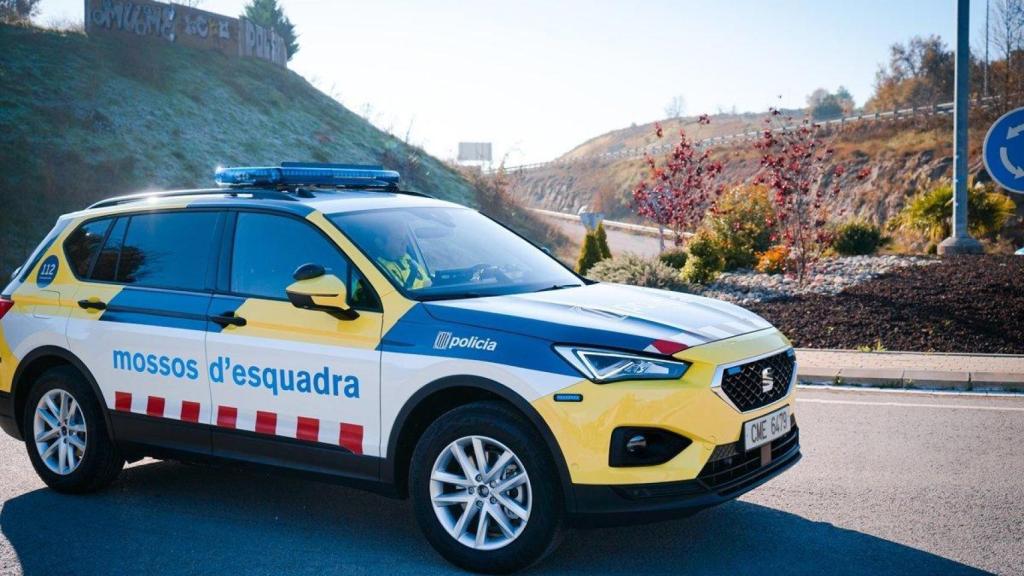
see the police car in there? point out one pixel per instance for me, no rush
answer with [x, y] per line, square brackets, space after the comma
[317, 318]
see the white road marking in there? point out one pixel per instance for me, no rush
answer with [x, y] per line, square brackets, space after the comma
[911, 391]
[912, 405]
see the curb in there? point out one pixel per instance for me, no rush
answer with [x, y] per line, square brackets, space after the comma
[912, 379]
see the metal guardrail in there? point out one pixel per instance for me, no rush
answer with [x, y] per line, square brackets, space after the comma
[640, 151]
[611, 224]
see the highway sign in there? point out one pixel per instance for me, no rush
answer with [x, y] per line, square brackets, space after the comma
[1004, 151]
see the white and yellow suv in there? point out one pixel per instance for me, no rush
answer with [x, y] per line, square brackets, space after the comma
[314, 317]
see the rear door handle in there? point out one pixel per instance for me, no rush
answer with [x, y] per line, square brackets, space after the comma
[227, 319]
[92, 304]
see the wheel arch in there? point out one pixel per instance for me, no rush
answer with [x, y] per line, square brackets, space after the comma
[33, 365]
[443, 395]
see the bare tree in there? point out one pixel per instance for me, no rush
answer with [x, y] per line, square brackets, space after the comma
[676, 107]
[1007, 36]
[14, 11]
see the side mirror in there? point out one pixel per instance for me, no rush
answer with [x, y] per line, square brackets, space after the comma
[314, 289]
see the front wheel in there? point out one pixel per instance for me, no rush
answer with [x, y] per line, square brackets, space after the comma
[485, 489]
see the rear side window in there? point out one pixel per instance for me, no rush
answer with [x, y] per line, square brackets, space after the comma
[105, 268]
[84, 244]
[167, 250]
[269, 248]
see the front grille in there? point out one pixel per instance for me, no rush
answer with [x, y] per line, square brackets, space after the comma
[744, 384]
[732, 468]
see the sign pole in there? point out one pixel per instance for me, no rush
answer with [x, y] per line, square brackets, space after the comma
[960, 242]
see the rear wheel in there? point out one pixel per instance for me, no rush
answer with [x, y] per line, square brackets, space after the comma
[66, 434]
[485, 489]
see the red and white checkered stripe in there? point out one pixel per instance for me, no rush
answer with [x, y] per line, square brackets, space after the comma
[348, 436]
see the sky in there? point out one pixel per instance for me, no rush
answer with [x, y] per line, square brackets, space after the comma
[538, 77]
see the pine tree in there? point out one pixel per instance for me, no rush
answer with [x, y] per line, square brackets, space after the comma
[602, 241]
[590, 253]
[268, 14]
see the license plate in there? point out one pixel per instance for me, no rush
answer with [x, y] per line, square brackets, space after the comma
[763, 430]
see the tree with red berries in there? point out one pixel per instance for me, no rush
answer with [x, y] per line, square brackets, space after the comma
[678, 189]
[797, 166]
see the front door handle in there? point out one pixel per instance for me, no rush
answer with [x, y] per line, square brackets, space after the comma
[92, 304]
[227, 319]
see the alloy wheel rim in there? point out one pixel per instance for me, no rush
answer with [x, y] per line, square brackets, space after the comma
[481, 492]
[60, 432]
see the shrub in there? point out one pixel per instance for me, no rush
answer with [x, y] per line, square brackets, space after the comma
[590, 254]
[638, 271]
[674, 258]
[740, 223]
[705, 259]
[602, 241]
[931, 212]
[856, 238]
[773, 260]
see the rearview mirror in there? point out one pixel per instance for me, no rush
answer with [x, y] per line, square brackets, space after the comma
[323, 292]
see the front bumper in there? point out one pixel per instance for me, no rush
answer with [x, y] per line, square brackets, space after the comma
[689, 407]
[720, 481]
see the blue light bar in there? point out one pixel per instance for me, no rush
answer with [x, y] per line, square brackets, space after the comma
[308, 174]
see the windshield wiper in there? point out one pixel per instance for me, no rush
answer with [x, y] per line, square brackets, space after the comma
[558, 287]
[452, 296]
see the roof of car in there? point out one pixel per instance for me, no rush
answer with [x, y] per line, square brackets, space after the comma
[327, 201]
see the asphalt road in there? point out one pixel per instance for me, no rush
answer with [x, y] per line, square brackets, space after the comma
[891, 483]
[619, 241]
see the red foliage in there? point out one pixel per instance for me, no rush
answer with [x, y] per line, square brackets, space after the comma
[796, 165]
[679, 189]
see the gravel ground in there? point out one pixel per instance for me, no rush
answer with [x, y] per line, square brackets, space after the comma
[829, 276]
[966, 304]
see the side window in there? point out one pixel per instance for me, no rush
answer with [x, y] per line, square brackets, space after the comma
[268, 249]
[105, 269]
[360, 294]
[167, 250]
[84, 243]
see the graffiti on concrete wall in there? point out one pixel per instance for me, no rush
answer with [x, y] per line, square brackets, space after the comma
[186, 26]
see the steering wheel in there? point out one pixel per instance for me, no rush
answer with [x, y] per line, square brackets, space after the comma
[481, 271]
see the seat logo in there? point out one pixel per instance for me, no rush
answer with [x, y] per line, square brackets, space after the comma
[446, 341]
[767, 380]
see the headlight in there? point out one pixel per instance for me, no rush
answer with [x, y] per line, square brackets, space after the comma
[603, 366]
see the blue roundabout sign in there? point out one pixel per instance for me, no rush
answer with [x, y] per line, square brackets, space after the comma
[1004, 151]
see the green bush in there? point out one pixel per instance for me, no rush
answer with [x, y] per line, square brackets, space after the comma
[602, 241]
[856, 238]
[674, 258]
[590, 254]
[931, 212]
[638, 271]
[740, 224]
[705, 259]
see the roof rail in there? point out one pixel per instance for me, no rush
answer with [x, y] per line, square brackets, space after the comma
[254, 193]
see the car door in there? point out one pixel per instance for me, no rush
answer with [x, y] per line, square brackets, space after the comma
[140, 321]
[292, 386]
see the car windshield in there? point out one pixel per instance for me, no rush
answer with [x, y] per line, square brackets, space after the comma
[435, 253]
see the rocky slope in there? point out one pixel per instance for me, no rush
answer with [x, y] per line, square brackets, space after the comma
[885, 164]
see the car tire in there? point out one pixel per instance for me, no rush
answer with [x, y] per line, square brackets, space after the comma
[537, 491]
[80, 456]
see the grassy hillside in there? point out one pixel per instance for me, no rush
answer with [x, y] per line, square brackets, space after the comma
[85, 118]
[642, 135]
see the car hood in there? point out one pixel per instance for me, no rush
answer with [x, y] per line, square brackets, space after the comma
[611, 315]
